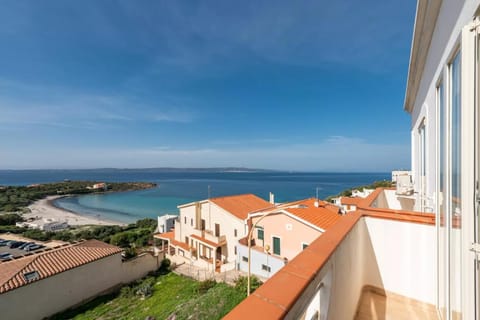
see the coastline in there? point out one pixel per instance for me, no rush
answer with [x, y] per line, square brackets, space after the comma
[46, 209]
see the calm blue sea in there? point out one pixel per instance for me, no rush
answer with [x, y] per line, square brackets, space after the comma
[175, 188]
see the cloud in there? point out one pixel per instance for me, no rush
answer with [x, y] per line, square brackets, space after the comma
[351, 154]
[23, 104]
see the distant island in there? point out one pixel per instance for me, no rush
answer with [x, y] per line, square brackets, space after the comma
[159, 169]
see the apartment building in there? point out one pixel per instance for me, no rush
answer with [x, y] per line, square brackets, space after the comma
[280, 233]
[418, 260]
[207, 231]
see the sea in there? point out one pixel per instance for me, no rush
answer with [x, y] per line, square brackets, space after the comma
[183, 186]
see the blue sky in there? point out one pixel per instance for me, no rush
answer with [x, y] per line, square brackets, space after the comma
[296, 85]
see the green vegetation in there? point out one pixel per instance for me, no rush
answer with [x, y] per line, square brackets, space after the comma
[16, 198]
[161, 296]
[376, 184]
[134, 235]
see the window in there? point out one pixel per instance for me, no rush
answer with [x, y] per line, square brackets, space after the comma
[186, 240]
[235, 232]
[304, 245]
[235, 250]
[455, 201]
[191, 222]
[185, 220]
[260, 234]
[276, 245]
[266, 268]
[31, 276]
[244, 259]
[217, 230]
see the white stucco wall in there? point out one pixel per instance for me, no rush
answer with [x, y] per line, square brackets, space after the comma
[396, 256]
[257, 259]
[453, 16]
[212, 214]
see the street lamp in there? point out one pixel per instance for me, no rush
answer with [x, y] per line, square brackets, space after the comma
[249, 239]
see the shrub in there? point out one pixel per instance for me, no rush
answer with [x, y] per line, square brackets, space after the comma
[10, 219]
[165, 265]
[144, 291]
[204, 286]
[129, 253]
[242, 282]
[127, 292]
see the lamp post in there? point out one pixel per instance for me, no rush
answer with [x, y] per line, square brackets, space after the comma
[249, 239]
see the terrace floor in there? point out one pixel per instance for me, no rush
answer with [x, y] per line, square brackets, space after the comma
[375, 305]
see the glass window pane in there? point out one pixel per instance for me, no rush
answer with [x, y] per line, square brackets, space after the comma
[455, 193]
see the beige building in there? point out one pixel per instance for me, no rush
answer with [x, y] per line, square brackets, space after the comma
[42, 284]
[207, 231]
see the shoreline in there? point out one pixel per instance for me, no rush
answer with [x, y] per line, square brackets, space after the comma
[46, 209]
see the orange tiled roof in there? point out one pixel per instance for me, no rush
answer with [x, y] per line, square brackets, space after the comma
[323, 217]
[351, 201]
[241, 205]
[170, 236]
[49, 263]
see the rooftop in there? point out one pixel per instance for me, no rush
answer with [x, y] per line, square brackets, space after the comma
[323, 216]
[352, 255]
[17, 273]
[241, 205]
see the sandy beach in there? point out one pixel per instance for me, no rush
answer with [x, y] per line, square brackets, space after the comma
[44, 209]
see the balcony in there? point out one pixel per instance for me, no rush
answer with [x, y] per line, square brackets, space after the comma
[209, 238]
[373, 264]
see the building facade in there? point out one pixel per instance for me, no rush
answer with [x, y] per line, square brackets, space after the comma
[432, 266]
[207, 231]
[280, 233]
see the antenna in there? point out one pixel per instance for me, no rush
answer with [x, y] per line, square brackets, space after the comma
[209, 191]
[316, 203]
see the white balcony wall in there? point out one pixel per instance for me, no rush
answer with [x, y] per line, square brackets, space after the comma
[398, 257]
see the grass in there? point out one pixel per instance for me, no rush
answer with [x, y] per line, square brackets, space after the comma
[171, 294]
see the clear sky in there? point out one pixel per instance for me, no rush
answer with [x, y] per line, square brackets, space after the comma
[296, 85]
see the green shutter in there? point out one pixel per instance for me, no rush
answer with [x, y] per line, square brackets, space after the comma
[276, 245]
[260, 234]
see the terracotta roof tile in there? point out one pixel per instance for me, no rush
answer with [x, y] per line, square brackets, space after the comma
[170, 236]
[351, 201]
[323, 216]
[52, 262]
[241, 205]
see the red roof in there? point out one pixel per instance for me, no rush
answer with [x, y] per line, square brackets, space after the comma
[323, 216]
[49, 263]
[241, 205]
[170, 236]
[351, 201]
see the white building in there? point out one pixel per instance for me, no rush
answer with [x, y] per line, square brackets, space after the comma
[391, 263]
[207, 231]
[44, 224]
[166, 223]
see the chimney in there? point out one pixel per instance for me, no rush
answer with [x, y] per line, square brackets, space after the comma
[272, 198]
[316, 203]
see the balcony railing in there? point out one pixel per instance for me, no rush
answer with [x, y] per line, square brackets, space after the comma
[209, 236]
[372, 252]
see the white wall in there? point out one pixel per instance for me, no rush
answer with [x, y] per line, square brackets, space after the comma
[257, 259]
[405, 258]
[212, 214]
[396, 256]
